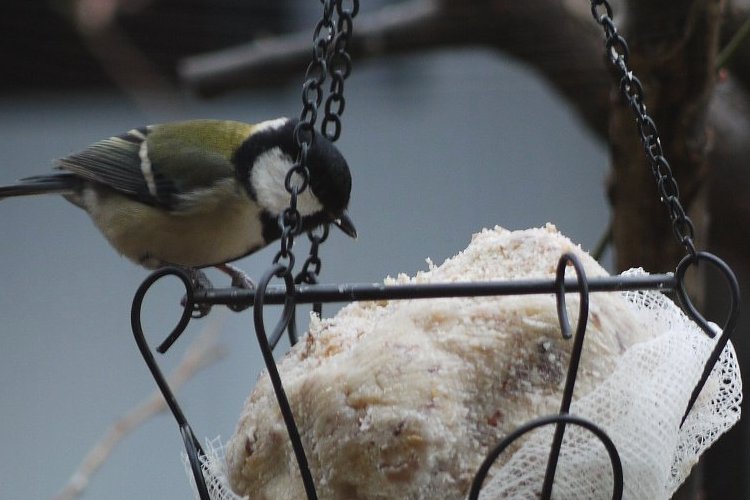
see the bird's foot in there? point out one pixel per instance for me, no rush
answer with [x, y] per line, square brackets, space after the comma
[239, 280]
[199, 281]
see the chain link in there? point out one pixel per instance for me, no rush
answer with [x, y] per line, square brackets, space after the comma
[632, 90]
[339, 68]
[329, 57]
[308, 275]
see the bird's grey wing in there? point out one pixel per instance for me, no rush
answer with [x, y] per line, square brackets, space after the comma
[157, 165]
[121, 163]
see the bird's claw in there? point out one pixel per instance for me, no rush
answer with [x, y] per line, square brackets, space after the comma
[243, 281]
[199, 281]
[239, 280]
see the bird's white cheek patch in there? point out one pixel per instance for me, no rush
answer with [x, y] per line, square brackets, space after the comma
[267, 178]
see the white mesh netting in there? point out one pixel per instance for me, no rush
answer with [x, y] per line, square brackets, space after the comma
[214, 471]
[640, 406]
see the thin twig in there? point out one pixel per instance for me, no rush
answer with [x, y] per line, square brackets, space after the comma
[203, 352]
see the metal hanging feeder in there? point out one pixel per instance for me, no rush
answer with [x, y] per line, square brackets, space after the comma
[330, 58]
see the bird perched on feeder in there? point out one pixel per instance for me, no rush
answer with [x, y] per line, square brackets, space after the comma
[198, 193]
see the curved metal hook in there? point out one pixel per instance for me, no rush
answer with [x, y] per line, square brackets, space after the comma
[614, 456]
[562, 316]
[192, 446]
[696, 316]
[188, 302]
[583, 309]
[281, 271]
[690, 309]
[575, 354]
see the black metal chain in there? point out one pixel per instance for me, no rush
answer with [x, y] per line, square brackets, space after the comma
[632, 90]
[330, 56]
[311, 267]
[308, 275]
[339, 68]
[290, 220]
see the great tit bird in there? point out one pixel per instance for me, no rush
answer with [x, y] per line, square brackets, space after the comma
[198, 193]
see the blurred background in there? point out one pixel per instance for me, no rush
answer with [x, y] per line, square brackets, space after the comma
[441, 144]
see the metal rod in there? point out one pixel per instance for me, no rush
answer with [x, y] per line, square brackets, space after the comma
[575, 357]
[352, 292]
[279, 270]
[192, 445]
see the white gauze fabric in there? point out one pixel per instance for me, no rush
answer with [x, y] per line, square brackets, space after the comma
[640, 406]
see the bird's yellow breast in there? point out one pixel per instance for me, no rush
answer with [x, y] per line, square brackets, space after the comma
[222, 225]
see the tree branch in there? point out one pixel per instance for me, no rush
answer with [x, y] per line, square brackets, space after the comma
[675, 62]
[557, 38]
[270, 61]
[726, 463]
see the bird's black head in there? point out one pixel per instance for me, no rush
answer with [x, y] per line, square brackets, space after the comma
[266, 156]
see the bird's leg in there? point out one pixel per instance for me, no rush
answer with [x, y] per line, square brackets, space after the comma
[239, 280]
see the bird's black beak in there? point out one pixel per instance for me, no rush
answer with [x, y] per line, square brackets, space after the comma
[344, 223]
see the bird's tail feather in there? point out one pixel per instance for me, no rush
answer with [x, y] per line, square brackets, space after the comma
[62, 183]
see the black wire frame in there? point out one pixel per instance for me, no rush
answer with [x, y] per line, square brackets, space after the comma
[290, 295]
